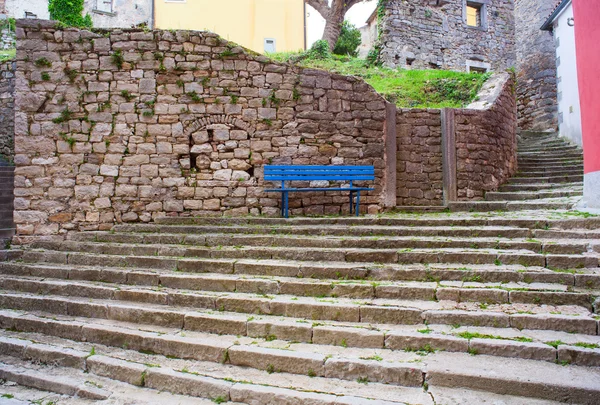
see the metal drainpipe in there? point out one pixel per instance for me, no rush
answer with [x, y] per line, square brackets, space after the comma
[305, 39]
[153, 25]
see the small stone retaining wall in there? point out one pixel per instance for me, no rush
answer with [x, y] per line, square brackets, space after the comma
[479, 156]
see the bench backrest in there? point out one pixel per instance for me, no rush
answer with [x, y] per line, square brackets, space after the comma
[307, 173]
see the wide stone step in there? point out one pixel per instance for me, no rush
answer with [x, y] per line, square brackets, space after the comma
[568, 161]
[549, 148]
[367, 242]
[553, 173]
[534, 219]
[547, 179]
[469, 289]
[162, 255]
[176, 311]
[296, 328]
[486, 206]
[194, 378]
[175, 381]
[549, 157]
[331, 271]
[528, 168]
[442, 229]
[533, 195]
[44, 379]
[538, 186]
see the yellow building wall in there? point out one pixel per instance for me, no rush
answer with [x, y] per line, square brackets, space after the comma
[246, 22]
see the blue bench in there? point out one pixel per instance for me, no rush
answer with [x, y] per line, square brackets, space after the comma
[310, 173]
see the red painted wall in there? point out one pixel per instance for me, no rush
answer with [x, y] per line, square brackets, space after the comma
[587, 39]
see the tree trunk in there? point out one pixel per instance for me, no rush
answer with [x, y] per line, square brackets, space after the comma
[333, 28]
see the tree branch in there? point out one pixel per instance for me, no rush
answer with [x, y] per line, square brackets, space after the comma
[348, 4]
[321, 6]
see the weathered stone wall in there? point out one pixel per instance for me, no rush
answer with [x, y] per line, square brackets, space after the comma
[419, 157]
[7, 112]
[419, 34]
[536, 66]
[131, 125]
[486, 144]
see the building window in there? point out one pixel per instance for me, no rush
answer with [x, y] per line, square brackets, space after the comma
[475, 13]
[475, 66]
[270, 45]
[104, 6]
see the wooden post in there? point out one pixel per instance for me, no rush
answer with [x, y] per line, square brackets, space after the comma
[449, 155]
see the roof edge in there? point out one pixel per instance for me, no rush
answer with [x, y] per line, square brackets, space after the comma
[547, 26]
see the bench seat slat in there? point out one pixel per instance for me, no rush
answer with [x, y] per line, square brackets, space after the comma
[294, 177]
[272, 190]
[310, 167]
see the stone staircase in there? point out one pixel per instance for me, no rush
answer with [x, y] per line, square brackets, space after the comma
[439, 308]
[550, 176]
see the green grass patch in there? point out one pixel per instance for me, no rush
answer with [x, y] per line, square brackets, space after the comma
[587, 345]
[406, 88]
[7, 54]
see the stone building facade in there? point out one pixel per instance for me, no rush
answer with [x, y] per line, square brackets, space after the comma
[460, 35]
[536, 66]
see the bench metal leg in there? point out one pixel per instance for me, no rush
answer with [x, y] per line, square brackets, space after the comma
[351, 201]
[285, 204]
[357, 203]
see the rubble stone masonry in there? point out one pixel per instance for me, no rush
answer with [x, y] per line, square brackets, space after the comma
[7, 114]
[131, 125]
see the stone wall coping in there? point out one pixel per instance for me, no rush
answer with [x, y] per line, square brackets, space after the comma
[490, 91]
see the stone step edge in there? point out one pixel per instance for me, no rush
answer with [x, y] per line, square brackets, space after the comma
[108, 367]
[192, 223]
[148, 375]
[349, 242]
[219, 351]
[334, 241]
[346, 255]
[304, 269]
[281, 286]
[363, 336]
[50, 382]
[200, 316]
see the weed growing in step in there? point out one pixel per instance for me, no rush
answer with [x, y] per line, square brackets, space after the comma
[219, 400]
[362, 380]
[311, 373]
[555, 343]
[270, 368]
[375, 358]
[472, 352]
[587, 345]
[425, 331]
